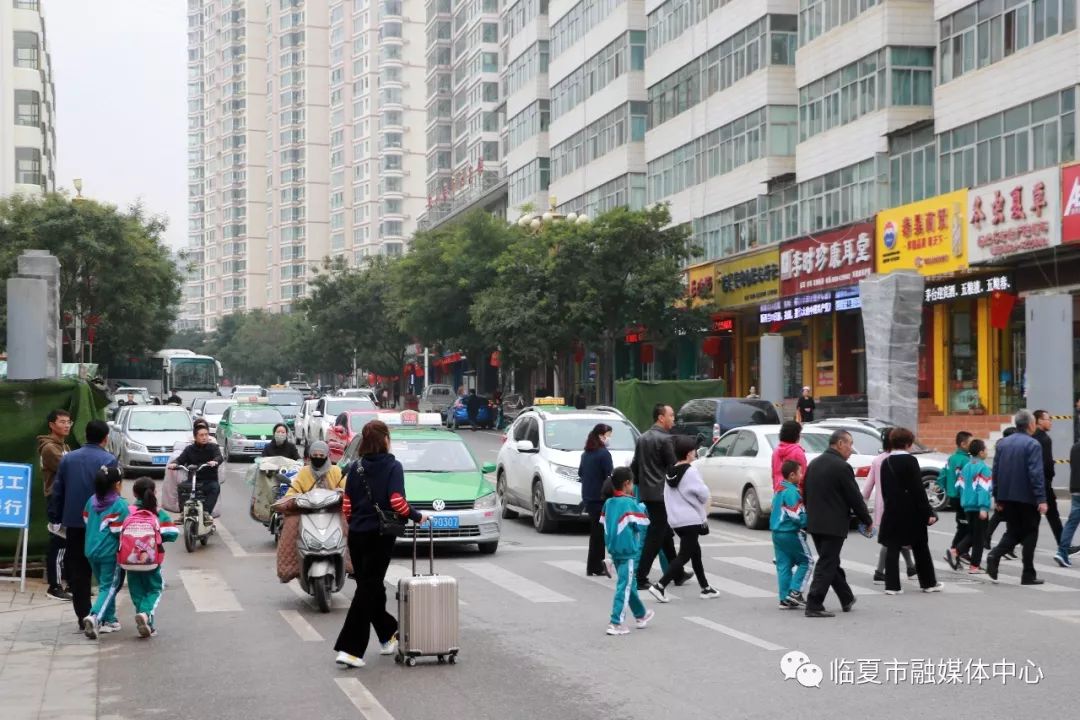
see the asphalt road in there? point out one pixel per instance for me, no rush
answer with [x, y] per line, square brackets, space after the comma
[235, 643]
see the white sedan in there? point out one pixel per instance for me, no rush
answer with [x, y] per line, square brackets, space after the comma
[738, 469]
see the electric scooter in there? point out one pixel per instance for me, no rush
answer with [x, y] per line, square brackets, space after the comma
[198, 525]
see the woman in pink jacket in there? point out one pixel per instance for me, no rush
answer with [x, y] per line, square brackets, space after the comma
[788, 449]
[873, 485]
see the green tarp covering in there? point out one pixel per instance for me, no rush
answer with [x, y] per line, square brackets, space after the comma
[636, 398]
[23, 409]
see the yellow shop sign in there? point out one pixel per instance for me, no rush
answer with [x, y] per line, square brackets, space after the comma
[929, 236]
[748, 279]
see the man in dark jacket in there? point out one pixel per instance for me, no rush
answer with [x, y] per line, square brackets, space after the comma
[1065, 547]
[653, 457]
[203, 452]
[1020, 494]
[51, 450]
[830, 497]
[472, 407]
[73, 486]
[1043, 423]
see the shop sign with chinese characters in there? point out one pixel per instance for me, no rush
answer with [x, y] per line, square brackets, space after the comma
[748, 279]
[929, 236]
[968, 288]
[796, 308]
[701, 282]
[1013, 217]
[826, 261]
[1070, 203]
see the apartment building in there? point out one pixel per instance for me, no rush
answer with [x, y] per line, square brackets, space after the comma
[526, 98]
[27, 101]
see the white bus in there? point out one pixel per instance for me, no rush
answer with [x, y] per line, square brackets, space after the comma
[189, 375]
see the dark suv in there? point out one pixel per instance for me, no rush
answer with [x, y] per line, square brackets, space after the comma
[709, 418]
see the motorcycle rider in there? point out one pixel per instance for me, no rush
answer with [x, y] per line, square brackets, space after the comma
[203, 452]
[281, 446]
[175, 399]
[320, 473]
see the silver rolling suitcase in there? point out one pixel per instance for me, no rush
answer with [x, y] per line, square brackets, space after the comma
[427, 612]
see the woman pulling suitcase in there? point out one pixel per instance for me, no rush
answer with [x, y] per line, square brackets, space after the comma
[376, 489]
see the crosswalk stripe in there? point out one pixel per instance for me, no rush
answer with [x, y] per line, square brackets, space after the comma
[395, 572]
[229, 540]
[583, 548]
[950, 587]
[733, 633]
[1054, 570]
[1004, 579]
[1072, 616]
[770, 569]
[208, 591]
[362, 699]
[738, 589]
[577, 568]
[302, 627]
[514, 583]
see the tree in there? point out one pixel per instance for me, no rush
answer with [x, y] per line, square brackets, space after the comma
[191, 339]
[115, 270]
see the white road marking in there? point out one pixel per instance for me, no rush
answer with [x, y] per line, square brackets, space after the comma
[1004, 579]
[336, 600]
[737, 634]
[950, 587]
[769, 569]
[229, 540]
[577, 568]
[208, 591]
[512, 582]
[580, 548]
[302, 627]
[1072, 616]
[737, 589]
[362, 699]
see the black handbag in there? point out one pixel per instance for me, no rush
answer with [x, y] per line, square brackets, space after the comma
[390, 523]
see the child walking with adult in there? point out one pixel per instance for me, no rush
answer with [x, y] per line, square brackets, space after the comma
[949, 479]
[788, 525]
[873, 486]
[146, 585]
[976, 497]
[686, 499]
[624, 520]
[104, 515]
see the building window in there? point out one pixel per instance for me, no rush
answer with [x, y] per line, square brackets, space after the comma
[28, 167]
[729, 231]
[625, 191]
[581, 18]
[817, 17]
[843, 196]
[624, 124]
[26, 4]
[912, 166]
[528, 181]
[27, 108]
[624, 54]
[674, 17]
[27, 50]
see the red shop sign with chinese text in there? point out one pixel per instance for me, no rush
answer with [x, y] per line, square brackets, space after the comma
[1070, 203]
[1013, 217]
[834, 259]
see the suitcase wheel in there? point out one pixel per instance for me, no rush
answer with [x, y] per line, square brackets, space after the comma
[410, 662]
[399, 658]
[442, 659]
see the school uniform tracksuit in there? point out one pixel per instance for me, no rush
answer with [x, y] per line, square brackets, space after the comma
[788, 525]
[624, 520]
[146, 586]
[103, 523]
[976, 497]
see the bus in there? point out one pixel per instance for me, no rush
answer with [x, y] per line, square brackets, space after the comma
[187, 374]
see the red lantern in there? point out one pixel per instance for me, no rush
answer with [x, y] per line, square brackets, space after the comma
[579, 354]
[496, 360]
[371, 379]
[711, 346]
[648, 353]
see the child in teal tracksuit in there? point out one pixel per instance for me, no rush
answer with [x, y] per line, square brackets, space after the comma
[146, 586]
[788, 525]
[104, 516]
[624, 520]
[976, 498]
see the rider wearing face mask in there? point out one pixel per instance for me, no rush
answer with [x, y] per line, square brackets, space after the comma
[320, 473]
[280, 446]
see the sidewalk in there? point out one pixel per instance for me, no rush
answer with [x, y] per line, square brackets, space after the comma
[48, 671]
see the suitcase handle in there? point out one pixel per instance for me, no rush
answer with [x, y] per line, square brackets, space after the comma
[431, 547]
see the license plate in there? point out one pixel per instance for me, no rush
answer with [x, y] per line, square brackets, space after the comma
[448, 522]
[260, 445]
[160, 460]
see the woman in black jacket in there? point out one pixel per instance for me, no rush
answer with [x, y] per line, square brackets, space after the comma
[595, 467]
[907, 515]
[280, 446]
[379, 478]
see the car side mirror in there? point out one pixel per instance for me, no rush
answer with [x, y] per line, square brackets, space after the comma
[525, 446]
[489, 467]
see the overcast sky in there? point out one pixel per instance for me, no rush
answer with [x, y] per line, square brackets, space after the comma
[121, 84]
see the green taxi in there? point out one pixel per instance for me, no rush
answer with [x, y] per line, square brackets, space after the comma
[246, 428]
[442, 480]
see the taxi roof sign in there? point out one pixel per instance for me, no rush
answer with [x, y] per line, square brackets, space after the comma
[411, 418]
[549, 401]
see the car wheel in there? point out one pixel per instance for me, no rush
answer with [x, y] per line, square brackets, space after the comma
[542, 521]
[934, 492]
[488, 548]
[751, 510]
[500, 492]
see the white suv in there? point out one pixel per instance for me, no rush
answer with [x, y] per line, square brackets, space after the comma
[538, 463]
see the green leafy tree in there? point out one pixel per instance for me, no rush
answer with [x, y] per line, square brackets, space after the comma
[115, 269]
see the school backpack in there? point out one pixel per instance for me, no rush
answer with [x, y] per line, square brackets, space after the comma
[140, 542]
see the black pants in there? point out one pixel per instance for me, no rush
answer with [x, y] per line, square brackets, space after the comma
[924, 565]
[828, 573]
[658, 537]
[689, 551]
[1021, 528]
[370, 553]
[78, 570]
[960, 537]
[995, 520]
[1053, 517]
[977, 536]
[211, 491]
[595, 562]
[54, 563]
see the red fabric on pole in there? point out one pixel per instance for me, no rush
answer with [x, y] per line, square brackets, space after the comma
[1001, 307]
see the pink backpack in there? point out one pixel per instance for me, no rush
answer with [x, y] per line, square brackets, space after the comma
[140, 542]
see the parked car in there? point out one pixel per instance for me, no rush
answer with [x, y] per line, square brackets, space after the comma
[302, 419]
[737, 468]
[211, 409]
[867, 434]
[321, 416]
[141, 397]
[246, 428]
[436, 398]
[457, 415]
[303, 387]
[537, 467]
[709, 418]
[144, 436]
[288, 402]
[368, 393]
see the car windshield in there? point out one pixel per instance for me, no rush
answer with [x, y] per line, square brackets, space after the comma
[571, 433]
[139, 396]
[357, 421]
[160, 422]
[432, 455]
[810, 442]
[216, 407]
[281, 397]
[340, 405]
[256, 416]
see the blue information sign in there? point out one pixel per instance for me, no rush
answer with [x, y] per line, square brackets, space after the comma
[14, 495]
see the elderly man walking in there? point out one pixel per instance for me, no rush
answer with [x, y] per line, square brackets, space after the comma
[1020, 495]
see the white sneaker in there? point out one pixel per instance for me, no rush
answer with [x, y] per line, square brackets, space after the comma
[658, 592]
[709, 593]
[894, 592]
[142, 624]
[390, 646]
[617, 630]
[109, 627]
[643, 621]
[90, 627]
[346, 660]
[933, 588]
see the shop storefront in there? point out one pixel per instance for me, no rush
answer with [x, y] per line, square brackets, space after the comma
[743, 283]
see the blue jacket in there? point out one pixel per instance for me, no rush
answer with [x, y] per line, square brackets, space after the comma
[1018, 470]
[74, 484]
[624, 522]
[595, 467]
[385, 478]
[975, 493]
[788, 512]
